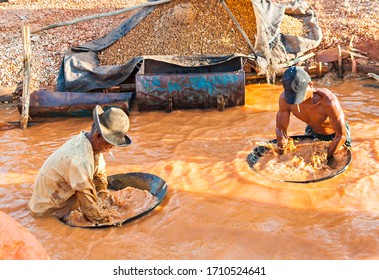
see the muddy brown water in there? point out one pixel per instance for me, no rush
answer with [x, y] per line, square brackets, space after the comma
[216, 207]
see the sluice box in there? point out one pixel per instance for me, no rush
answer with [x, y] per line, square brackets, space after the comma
[166, 86]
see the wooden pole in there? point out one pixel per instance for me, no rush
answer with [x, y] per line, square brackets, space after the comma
[27, 77]
[312, 71]
[114, 13]
[296, 60]
[340, 70]
[319, 69]
[238, 26]
[353, 64]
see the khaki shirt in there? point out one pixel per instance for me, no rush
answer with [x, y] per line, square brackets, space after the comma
[71, 170]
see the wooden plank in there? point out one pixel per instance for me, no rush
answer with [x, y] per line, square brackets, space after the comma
[362, 68]
[331, 55]
[296, 60]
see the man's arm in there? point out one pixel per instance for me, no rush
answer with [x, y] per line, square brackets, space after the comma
[88, 201]
[101, 183]
[100, 180]
[80, 177]
[282, 122]
[337, 121]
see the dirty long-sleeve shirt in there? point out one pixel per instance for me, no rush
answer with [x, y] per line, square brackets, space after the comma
[71, 176]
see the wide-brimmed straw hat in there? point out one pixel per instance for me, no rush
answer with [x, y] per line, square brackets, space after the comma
[113, 124]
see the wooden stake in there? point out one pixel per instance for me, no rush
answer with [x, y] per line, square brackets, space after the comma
[351, 42]
[340, 70]
[27, 77]
[353, 64]
[319, 69]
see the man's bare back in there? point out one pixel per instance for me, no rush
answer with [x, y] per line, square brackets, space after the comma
[313, 113]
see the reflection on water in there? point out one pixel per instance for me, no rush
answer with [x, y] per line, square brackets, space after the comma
[216, 207]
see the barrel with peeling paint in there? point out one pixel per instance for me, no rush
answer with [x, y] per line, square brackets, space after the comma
[165, 86]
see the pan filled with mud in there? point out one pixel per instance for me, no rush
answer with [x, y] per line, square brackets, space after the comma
[135, 194]
[304, 160]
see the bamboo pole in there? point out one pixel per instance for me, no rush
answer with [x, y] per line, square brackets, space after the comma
[114, 13]
[312, 71]
[27, 76]
[296, 60]
[238, 25]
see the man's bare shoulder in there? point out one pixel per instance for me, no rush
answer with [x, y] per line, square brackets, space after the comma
[282, 95]
[325, 92]
[326, 95]
[329, 101]
[282, 101]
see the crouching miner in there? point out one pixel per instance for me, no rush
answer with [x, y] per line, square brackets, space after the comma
[74, 175]
[319, 108]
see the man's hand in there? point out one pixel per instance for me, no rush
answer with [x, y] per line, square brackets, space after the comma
[106, 195]
[281, 145]
[332, 163]
[280, 150]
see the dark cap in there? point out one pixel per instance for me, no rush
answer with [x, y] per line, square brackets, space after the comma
[295, 82]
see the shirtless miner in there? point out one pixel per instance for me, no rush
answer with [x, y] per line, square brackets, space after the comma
[319, 108]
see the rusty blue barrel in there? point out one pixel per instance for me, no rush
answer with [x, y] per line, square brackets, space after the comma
[160, 84]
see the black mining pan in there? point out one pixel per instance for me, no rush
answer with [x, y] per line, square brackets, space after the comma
[144, 181]
[259, 151]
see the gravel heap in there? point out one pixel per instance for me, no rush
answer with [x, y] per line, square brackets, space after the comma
[193, 27]
[186, 27]
[49, 47]
[339, 20]
[293, 26]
